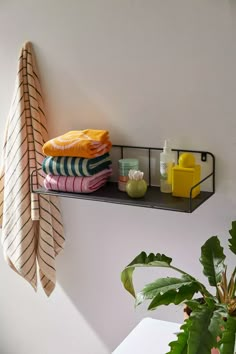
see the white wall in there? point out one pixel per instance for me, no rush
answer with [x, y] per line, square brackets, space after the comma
[144, 70]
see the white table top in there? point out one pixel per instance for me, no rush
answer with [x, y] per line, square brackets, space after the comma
[150, 336]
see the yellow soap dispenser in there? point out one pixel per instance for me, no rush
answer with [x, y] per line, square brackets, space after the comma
[185, 175]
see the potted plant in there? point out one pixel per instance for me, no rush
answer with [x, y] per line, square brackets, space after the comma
[212, 322]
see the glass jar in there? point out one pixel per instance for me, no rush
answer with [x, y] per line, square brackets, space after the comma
[124, 166]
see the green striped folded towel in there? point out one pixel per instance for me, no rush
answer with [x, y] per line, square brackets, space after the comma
[75, 166]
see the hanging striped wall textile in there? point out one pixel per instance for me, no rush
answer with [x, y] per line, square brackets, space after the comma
[32, 229]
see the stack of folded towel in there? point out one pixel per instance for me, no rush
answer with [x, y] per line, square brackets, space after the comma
[78, 161]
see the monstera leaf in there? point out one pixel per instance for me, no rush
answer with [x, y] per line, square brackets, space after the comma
[232, 240]
[142, 260]
[212, 259]
[165, 291]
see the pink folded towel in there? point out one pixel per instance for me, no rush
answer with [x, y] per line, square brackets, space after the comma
[77, 184]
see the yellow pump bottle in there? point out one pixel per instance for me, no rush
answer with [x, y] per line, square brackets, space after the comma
[185, 175]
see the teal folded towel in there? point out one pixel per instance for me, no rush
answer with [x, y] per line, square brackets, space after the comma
[75, 166]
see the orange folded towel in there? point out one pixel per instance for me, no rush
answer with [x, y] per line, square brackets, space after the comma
[87, 143]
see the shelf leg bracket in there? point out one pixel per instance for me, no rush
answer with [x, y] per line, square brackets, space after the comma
[204, 156]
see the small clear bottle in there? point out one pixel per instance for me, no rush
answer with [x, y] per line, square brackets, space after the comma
[167, 161]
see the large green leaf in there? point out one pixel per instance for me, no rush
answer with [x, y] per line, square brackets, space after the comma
[142, 260]
[232, 240]
[199, 333]
[180, 346]
[212, 259]
[217, 322]
[162, 285]
[168, 290]
[232, 284]
[227, 343]
[193, 304]
[205, 324]
[174, 296]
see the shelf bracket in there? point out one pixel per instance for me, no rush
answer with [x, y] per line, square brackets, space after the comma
[204, 156]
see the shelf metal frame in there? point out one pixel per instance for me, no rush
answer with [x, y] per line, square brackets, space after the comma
[204, 158]
[110, 193]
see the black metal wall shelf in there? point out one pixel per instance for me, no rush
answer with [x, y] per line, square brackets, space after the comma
[153, 198]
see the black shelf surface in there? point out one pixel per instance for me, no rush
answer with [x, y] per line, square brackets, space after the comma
[152, 199]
